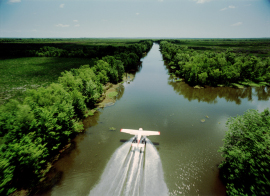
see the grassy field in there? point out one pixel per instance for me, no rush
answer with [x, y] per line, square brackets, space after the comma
[20, 74]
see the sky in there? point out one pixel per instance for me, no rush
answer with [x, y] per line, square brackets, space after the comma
[135, 18]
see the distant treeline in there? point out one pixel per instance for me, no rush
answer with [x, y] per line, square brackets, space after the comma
[34, 131]
[13, 50]
[212, 68]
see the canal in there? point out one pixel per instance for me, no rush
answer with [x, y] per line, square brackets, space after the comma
[192, 124]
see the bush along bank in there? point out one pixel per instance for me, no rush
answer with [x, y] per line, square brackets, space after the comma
[34, 131]
[245, 168]
[215, 69]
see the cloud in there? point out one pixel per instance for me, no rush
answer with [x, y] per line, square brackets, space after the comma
[202, 1]
[237, 24]
[75, 21]
[229, 7]
[77, 25]
[137, 13]
[61, 25]
[62, 5]
[14, 1]
[160, 0]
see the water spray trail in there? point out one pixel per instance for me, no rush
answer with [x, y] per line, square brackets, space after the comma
[154, 183]
[123, 175]
[131, 172]
[138, 177]
[113, 169]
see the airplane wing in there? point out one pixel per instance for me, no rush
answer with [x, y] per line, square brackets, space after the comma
[136, 132]
[130, 131]
[147, 133]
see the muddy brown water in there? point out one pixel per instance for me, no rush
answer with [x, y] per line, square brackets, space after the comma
[187, 150]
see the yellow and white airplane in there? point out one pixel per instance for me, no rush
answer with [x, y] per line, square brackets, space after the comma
[140, 136]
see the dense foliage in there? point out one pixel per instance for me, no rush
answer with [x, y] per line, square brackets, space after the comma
[33, 131]
[211, 68]
[73, 49]
[246, 168]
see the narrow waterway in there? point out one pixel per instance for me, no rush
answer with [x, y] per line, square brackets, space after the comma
[187, 154]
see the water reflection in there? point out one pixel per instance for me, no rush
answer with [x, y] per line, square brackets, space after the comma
[211, 94]
[120, 91]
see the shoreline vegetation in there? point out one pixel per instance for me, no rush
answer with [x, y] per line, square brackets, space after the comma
[245, 168]
[35, 130]
[222, 68]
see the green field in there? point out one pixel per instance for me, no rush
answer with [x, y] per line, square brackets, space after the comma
[20, 74]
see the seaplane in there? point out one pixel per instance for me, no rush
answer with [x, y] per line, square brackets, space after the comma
[139, 140]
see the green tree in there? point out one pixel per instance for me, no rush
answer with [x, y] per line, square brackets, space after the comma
[246, 152]
[203, 77]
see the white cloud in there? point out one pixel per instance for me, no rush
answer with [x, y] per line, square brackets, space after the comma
[237, 24]
[75, 21]
[62, 5]
[14, 1]
[229, 7]
[61, 25]
[137, 13]
[202, 1]
[77, 25]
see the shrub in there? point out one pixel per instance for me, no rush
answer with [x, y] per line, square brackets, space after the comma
[246, 168]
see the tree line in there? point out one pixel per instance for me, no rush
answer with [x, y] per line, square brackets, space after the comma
[35, 130]
[11, 50]
[211, 68]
